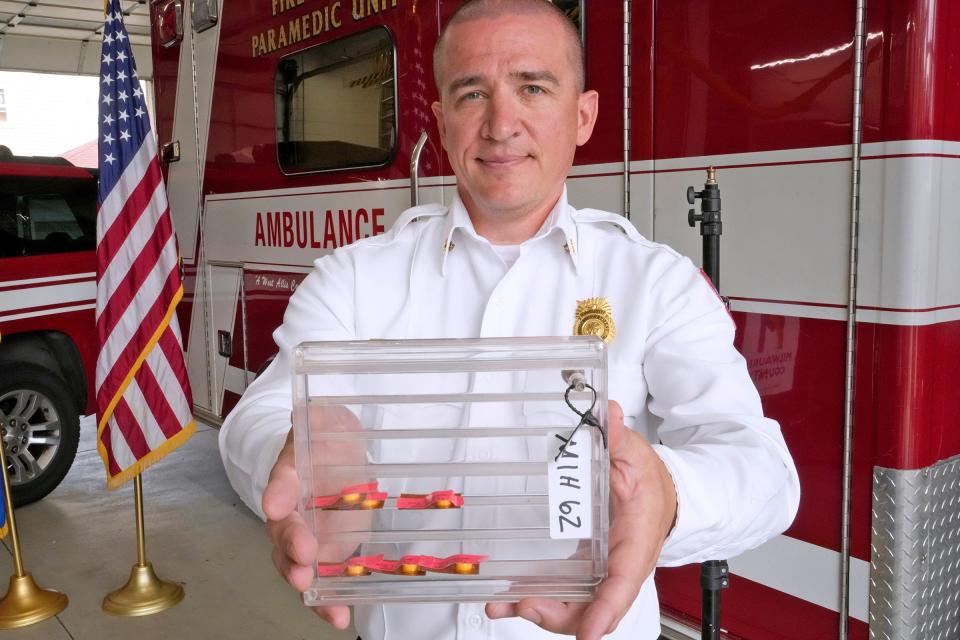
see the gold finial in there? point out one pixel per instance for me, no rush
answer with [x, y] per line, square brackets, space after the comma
[594, 317]
[711, 175]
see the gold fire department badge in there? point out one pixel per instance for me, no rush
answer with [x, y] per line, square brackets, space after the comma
[595, 318]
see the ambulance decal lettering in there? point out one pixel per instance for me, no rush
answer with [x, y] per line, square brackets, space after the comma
[308, 229]
[310, 24]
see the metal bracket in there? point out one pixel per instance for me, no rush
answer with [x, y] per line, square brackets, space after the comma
[415, 169]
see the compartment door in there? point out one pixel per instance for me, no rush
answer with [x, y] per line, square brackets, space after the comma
[227, 340]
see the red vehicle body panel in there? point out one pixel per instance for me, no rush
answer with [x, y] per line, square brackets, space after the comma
[710, 99]
[78, 325]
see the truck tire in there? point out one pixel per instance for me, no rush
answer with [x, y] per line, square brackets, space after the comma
[40, 429]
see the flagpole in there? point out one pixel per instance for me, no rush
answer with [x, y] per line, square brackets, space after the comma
[145, 593]
[138, 505]
[157, 410]
[25, 602]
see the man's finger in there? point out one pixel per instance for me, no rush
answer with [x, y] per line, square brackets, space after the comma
[552, 615]
[497, 610]
[612, 601]
[337, 616]
[615, 426]
[297, 576]
[283, 487]
[294, 551]
[294, 539]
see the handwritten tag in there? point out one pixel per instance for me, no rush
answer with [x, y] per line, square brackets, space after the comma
[568, 486]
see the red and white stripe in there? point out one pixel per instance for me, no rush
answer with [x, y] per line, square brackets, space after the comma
[34, 297]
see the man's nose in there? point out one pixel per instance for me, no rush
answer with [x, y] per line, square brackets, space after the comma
[502, 117]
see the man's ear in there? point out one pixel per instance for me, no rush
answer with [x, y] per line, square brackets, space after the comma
[588, 104]
[438, 114]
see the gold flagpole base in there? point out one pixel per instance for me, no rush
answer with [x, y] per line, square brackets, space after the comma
[143, 595]
[26, 603]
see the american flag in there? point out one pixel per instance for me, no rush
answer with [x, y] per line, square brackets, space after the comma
[143, 395]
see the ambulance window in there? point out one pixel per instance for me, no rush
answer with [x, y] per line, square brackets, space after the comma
[336, 104]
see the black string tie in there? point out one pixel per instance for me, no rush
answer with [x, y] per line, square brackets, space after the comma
[586, 417]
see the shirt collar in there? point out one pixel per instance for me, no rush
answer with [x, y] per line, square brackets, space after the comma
[559, 221]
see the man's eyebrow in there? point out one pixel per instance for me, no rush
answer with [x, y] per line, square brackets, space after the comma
[460, 83]
[523, 76]
[535, 76]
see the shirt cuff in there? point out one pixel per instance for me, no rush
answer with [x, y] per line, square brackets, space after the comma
[673, 552]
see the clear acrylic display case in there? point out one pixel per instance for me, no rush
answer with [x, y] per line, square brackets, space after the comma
[436, 471]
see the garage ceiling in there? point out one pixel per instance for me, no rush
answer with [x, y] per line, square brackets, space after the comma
[70, 19]
[64, 36]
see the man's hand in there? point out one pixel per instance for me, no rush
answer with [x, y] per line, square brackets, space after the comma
[643, 504]
[295, 548]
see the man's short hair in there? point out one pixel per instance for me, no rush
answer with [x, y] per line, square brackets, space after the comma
[478, 9]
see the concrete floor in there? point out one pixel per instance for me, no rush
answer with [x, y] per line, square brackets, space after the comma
[81, 540]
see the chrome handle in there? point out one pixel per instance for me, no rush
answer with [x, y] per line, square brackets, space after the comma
[414, 169]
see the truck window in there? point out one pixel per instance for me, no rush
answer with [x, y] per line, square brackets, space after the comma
[38, 217]
[336, 104]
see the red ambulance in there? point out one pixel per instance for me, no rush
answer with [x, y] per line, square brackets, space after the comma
[292, 127]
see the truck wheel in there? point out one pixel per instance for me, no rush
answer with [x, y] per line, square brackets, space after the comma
[40, 429]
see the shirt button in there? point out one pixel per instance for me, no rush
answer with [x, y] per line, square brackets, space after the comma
[474, 621]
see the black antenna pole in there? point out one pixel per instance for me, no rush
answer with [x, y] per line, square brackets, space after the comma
[714, 574]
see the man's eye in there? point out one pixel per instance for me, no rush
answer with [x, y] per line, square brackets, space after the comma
[532, 90]
[471, 95]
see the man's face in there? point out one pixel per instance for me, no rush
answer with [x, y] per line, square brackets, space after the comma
[510, 113]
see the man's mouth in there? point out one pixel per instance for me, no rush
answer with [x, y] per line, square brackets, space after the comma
[502, 160]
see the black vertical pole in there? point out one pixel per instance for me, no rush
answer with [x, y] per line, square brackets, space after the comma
[714, 574]
[711, 226]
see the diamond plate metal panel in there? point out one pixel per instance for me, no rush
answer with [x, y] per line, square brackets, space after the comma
[915, 557]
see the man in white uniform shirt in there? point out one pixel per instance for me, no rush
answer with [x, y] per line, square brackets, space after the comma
[510, 257]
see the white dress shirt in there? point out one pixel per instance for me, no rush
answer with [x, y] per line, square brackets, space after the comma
[672, 367]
